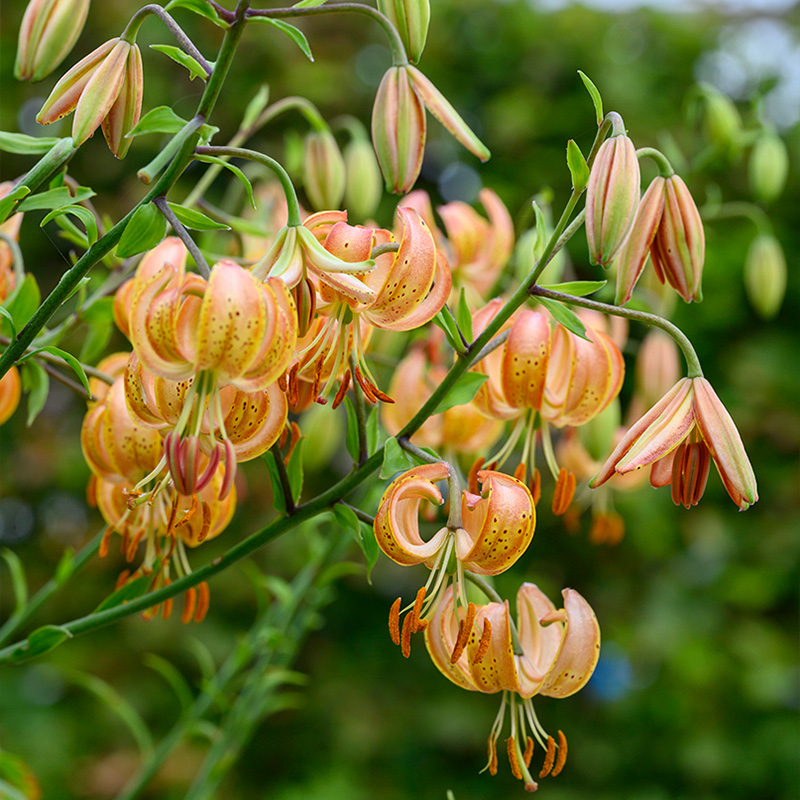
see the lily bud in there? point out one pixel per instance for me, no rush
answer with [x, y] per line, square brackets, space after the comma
[612, 197]
[323, 172]
[411, 18]
[363, 187]
[10, 391]
[398, 130]
[769, 166]
[679, 248]
[48, 32]
[105, 87]
[722, 122]
[765, 275]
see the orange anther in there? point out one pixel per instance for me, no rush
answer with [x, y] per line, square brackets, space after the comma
[366, 387]
[405, 636]
[464, 630]
[562, 754]
[122, 579]
[103, 549]
[519, 472]
[343, 386]
[512, 758]
[206, 527]
[549, 757]
[189, 604]
[415, 612]
[528, 754]
[189, 514]
[492, 756]
[203, 601]
[394, 622]
[483, 645]
[472, 481]
[536, 486]
[564, 492]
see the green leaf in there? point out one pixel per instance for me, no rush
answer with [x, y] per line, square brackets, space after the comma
[445, 322]
[369, 544]
[576, 288]
[21, 144]
[375, 434]
[37, 383]
[118, 704]
[4, 312]
[595, 95]
[200, 7]
[294, 469]
[464, 316]
[42, 640]
[7, 202]
[145, 230]
[465, 389]
[99, 319]
[248, 187]
[73, 362]
[82, 213]
[169, 672]
[196, 70]
[278, 502]
[347, 519]
[23, 302]
[65, 568]
[395, 459]
[295, 34]
[564, 316]
[161, 119]
[361, 532]
[18, 581]
[351, 436]
[128, 591]
[196, 220]
[255, 107]
[541, 231]
[55, 198]
[578, 168]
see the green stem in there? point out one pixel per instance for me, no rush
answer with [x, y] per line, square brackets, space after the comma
[202, 265]
[665, 169]
[692, 361]
[361, 414]
[283, 176]
[283, 477]
[399, 57]
[148, 172]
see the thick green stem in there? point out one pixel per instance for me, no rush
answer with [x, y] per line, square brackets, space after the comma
[665, 169]
[282, 175]
[692, 361]
[202, 265]
[399, 57]
[361, 414]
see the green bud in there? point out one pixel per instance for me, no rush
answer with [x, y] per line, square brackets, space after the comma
[769, 167]
[363, 182]
[723, 125]
[765, 275]
[323, 171]
[411, 18]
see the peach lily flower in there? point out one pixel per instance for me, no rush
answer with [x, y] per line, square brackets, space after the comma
[551, 652]
[679, 436]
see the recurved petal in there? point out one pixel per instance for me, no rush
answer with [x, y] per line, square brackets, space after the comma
[500, 524]
[579, 651]
[254, 420]
[540, 643]
[440, 639]
[497, 670]
[525, 358]
[397, 521]
[725, 445]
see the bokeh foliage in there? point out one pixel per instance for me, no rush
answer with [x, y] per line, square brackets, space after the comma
[696, 696]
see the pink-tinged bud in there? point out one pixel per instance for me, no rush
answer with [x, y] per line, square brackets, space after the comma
[398, 130]
[323, 170]
[363, 187]
[411, 18]
[768, 167]
[105, 84]
[10, 391]
[679, 248]
[765, 275]
[48, 32]
[612, 197]
[633, 255]
[441, 108]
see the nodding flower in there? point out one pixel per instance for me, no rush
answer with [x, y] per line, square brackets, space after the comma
[678, 438]
[486, 534]
[550, 651]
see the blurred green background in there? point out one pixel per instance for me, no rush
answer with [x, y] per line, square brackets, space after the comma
[696, 695]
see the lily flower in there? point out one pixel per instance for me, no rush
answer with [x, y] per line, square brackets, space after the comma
[551, 652]
[492, 531]
[10, 393]
[680, 436]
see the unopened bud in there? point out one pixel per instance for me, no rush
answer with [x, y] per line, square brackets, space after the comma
[363, 185]
[612, 197]
[48, 32]
[323, 171]
[765, 275]
[398, 130]
[769, 167]
[411, 18]
[10, 391]
[723, 125]
[305, 301]
[679, 249]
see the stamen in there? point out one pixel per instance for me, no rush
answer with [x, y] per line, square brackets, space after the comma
[472, 480]
[166, 606]
[483, 645]
[562, 754]
[283, 437]
[343, 387]
[189, 604]
[519, 472]
[103, 549]
[512, 758]
[122, 579]
[296, 436]
[293, 393]
[536, 486]
[564, 492]
[405, 636]
[492, 756]
[283, 383]
[415, 620]
[365, 387]
[204, 530]
[189, 514]
[528, 754]
[203, 602]
[394, 622]
[464, 630]
[173, 512]
[130, 553]
[549, 758]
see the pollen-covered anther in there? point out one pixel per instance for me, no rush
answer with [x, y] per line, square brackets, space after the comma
[483, 645]
[366, 387]
[106, 538]
[512, 758]
[472, 482]
[464, 631]
[203, 602]
[492, 756]
[549, 758]
[416, 623]
[561, 758]
[519, 472]
[204, 530]
[343, 387]
[394, 621]
[528, 754]
[564, 491]
[536, 486]
[405, 635]
[189, 605]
